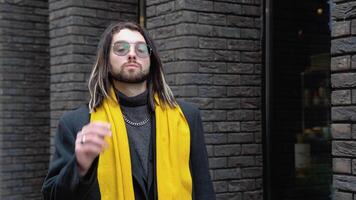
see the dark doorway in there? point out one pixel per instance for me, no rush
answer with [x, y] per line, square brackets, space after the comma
[298, 136]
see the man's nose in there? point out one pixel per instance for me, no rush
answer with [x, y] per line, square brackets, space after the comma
[132, 54]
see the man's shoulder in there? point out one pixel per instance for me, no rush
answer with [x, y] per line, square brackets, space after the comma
[189, 109]
[78, 116]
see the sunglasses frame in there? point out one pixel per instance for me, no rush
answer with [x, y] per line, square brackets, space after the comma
[149, 49]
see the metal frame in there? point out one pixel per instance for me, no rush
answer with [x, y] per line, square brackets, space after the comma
[142, 13]
[266, 108]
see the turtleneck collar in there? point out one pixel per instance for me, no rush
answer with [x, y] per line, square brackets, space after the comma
[138, 100]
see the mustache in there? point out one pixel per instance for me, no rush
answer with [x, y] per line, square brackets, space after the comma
[132, 62]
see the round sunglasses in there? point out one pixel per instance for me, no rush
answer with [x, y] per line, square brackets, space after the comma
[122, 48]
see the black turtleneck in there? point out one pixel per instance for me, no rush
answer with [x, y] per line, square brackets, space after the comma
[135, 109]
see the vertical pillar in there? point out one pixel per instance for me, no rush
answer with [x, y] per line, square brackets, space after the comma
[75, 30]
[24, 98]
[211, 52]
[343, 98]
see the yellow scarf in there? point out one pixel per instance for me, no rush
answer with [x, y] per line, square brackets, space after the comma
[172, 153]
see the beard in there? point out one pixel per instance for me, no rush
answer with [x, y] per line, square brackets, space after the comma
[130, 77]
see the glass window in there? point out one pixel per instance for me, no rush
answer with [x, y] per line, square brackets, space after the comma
[299, 143]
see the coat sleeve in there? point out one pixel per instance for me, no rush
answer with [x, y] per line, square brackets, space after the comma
[63, 180]
[202, 185]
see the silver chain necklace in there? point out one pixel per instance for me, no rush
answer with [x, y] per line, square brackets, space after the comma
[141, 123]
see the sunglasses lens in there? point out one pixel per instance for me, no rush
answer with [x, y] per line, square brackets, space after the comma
[142, 50]
[121, 48]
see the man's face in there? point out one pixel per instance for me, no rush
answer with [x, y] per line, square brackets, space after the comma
[128, 57]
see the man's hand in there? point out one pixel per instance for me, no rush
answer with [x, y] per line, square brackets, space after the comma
[90, 143]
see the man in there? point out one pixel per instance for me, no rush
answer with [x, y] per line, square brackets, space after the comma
[133, 140]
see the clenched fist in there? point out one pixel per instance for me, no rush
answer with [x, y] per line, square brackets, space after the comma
[90, 142]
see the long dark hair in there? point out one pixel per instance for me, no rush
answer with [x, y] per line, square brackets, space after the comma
[100, 83]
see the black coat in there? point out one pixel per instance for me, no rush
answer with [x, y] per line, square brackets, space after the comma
[64, 183]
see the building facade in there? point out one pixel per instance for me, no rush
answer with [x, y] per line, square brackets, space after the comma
[216, 54]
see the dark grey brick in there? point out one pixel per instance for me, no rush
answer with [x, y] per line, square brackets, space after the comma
[243, 91]
[340, 63]
[212, 67]
[227, 8]
[343, 45]
[251, 10]
[345, 167]
[226, 56]
[343, 148]
[227, 150]
[241, 68]
[202, 103]
[229, 196]
[194, 29]
[353, 94]
[220, 186]
[253, 195]
[225, 32]
[250, 80]
[181, 66]
[241, 137]
[185, 91]
[212, 91]
[165, 8]
[152, 2]
[199, 79]
[341, 28]
[341, 80]
[252, 57]
[240, 21]
[213, 115]
[220, 162]
[341, 11]
[240, 115]
[250, 103]
[341, 165]
[171, 18]
[249, 33]
[250, 149]
[247, 45]
[224, 126]
[353, 27]
[228, 103]
[341, 97]
[212, 43]
[192, 5]
[341, 131]
[242, 185]
[163, 32]
[343, 182]
[251, 172]
[241, 161]
[226, 79]
[212, 19]
[343, 113]
[213, 138]
[150, 11]
[195, 54]
[342, 196]
[226, 174]
[177, 42]
[353, 131]
[353, 62]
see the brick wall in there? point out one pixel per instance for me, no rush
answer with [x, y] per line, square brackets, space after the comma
[211, 52]
[75, 29]
[343, 80]
[24, 98]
